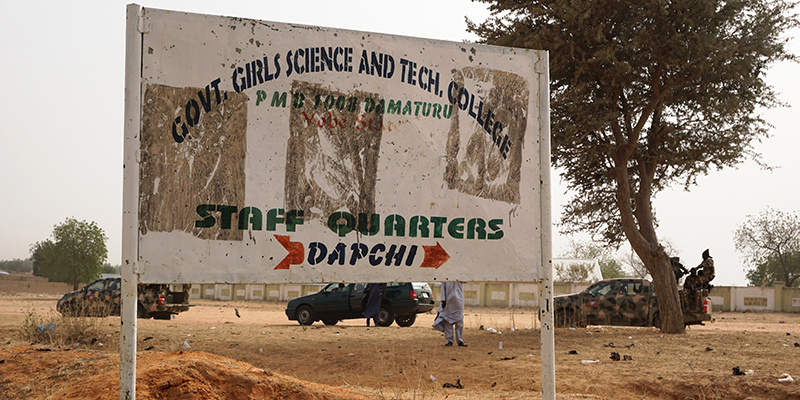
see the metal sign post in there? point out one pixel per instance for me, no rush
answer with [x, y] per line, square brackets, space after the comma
[130, 200]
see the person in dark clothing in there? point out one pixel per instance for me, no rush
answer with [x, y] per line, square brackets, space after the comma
[374, 293]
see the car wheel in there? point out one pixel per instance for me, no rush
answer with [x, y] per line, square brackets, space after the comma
[386, 315]
[406, 320]
[305, 315]
[330, 321]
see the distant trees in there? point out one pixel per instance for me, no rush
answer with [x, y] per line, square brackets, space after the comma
[75, 254]
[111, 269]
[16, 265]
[572, 272]
[770, 245]
[609, 266]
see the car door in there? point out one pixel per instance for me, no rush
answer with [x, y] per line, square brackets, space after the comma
[93, 297]
[357, 300]
[111, 296]
[600, 304]
[333, 301]
[633, 303]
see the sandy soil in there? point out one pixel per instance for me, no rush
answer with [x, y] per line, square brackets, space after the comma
[264, 355]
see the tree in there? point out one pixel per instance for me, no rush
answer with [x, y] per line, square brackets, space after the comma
[16, 265]
[770, 244]
[609, 266]
[636, 266]
[644, 95]
[75, 255]
[111, 269]
[572, 271]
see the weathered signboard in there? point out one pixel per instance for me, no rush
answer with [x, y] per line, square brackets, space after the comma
[273, 152]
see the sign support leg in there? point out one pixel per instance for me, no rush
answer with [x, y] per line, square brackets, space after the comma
[546, 283]
[130, 200]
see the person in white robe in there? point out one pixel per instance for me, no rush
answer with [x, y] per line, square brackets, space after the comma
[450, 315]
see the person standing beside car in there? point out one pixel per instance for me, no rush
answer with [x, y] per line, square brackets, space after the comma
[374, 296]
[451, 313]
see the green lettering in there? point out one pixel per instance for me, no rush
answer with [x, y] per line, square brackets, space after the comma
[252, 215]
[407, 108]
[298, 98]
[394, 107]
[277, 100]
[261, 96]
[342, 223]
[293, 218]
[455, 228]
[476, 226]
[369, 228]
[438, 222]
[495, 226]
[420, 223]
[227, 214]
[274, 217]
[394, 224]
[204, 211]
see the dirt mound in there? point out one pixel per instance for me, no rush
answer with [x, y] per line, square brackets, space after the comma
[44, 373]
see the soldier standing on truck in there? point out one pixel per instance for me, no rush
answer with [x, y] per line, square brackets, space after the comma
[698, 281]
[706, 271]
[700, 276]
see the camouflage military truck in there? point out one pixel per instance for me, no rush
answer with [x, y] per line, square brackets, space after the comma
[626, 301]
[102, 298]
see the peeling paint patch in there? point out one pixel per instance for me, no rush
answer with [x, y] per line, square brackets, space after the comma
[474, 165]
[331, 160]
[206, 168]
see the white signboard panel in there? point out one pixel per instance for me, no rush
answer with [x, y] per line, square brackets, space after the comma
[273, 152]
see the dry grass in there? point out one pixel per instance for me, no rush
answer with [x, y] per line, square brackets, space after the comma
[53, 329]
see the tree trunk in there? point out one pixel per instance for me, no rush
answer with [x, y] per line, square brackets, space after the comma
[640, 230]
[669, 303]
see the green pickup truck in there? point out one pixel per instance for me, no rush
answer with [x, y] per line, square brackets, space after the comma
[627, 302]
[102, 298]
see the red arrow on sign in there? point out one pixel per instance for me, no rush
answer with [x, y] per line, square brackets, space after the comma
[435, 256]
[295, 249]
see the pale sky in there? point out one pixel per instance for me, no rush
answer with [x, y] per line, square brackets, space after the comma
[63, 95]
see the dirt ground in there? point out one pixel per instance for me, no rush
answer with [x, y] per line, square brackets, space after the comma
[263, 355]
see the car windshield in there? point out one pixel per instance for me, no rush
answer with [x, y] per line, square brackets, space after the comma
[335, 288]
[602, 288]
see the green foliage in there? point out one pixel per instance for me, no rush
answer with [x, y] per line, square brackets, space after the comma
[610, 267]
[572, 272]
[16, 265]
[76, 254]
[770, 244]
[111, 269]
[645, 95]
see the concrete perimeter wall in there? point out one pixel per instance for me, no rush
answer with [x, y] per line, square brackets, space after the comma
[17, 283]
[487, 294]
[523, 295]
